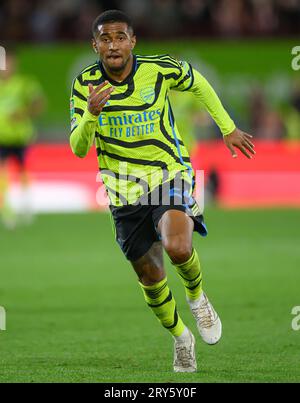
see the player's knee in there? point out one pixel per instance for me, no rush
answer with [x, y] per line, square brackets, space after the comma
[178, 249]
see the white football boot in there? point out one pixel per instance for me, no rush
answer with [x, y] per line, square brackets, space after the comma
[208, 321]
[184, 355]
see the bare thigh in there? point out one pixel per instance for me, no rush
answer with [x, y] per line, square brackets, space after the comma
[176, 229]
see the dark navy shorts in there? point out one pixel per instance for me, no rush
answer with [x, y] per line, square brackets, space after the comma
[136, 225]
[16, 152]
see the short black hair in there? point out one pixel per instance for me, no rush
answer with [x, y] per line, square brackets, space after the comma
[111, 16]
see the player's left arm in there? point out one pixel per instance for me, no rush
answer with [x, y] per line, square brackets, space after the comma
[233, 136]
[192, 80]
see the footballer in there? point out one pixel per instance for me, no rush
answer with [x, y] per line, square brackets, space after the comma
[121, 103]
[21, 101]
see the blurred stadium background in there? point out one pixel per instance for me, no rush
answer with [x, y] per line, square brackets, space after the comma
[50, 269]
[242, 47]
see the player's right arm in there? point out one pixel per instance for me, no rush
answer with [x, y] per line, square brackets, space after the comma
[84, 115]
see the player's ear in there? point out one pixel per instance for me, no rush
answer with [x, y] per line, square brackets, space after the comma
[133, 41]
[94, 45]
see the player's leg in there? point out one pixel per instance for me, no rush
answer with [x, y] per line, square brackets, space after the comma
[26, 203]
[3, 180]
[176, 229]
[153, 281]
[7, 214]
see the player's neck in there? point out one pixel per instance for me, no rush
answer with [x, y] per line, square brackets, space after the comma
[120, 75]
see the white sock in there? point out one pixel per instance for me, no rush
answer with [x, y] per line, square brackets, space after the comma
[185, 335]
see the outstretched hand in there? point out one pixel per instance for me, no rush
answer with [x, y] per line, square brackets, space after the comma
[241, 140]
[98, 97]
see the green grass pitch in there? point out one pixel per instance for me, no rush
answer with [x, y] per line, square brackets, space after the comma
[76, 314]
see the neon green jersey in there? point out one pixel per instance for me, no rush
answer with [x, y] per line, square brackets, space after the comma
[16, 96]
[136, 137]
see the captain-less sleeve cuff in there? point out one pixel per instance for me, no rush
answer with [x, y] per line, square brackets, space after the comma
[89, 117]
[229, 129]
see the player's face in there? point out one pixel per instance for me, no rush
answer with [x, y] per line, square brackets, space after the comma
[114, 43]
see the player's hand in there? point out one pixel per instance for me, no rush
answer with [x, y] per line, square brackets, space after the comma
[98, 97]
[241, 140]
